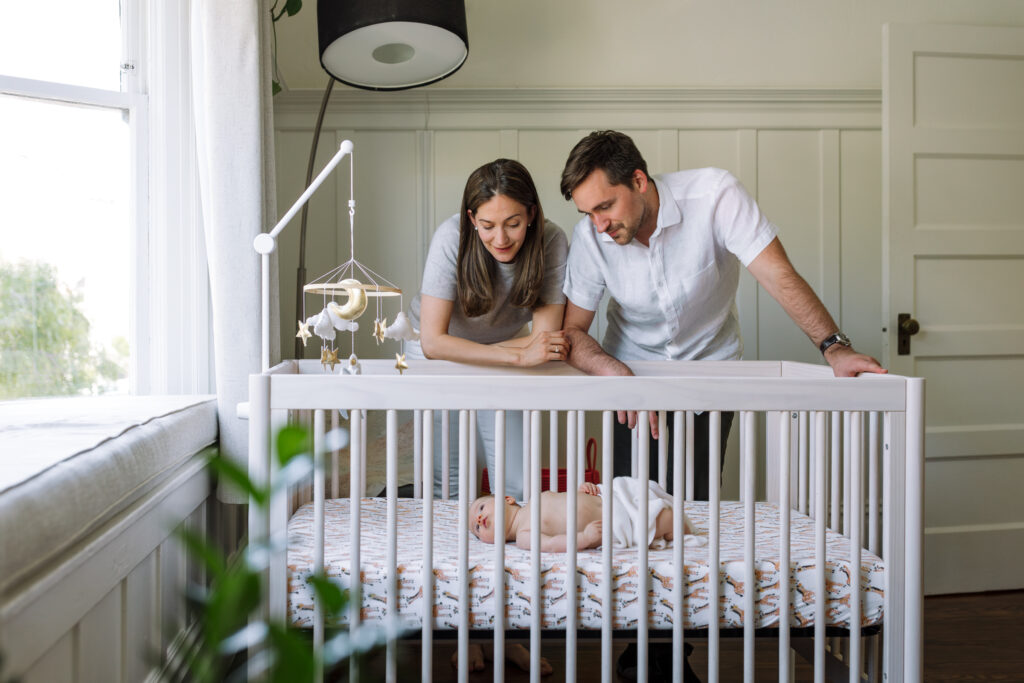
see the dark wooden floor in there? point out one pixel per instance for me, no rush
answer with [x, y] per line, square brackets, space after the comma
[978, 637]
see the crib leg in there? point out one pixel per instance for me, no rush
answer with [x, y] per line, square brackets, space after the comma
[835, 670]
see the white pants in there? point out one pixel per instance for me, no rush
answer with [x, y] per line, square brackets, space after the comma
[484, 444]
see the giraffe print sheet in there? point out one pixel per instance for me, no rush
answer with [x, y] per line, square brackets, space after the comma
[626, 608]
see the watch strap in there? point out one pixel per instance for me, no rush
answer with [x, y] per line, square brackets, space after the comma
[834, 338]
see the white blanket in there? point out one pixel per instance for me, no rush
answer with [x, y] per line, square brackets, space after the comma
[626, 511]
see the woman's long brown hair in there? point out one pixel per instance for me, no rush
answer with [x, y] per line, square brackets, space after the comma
[476, 269]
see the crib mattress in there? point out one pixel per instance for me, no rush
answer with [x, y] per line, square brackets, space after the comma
[626, 608]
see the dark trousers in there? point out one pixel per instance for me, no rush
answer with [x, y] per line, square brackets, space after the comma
[624, 453]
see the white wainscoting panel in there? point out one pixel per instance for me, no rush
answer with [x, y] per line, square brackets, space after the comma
[811, 158]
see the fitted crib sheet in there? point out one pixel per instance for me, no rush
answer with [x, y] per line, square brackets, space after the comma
[625, 594]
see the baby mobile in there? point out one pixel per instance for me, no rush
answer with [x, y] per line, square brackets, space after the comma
[358, 284]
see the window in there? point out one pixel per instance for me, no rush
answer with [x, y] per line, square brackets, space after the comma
[102, 265]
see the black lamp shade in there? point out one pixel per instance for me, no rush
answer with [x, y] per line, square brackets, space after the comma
[392, 44]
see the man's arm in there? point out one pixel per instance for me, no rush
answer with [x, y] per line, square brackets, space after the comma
[773, 269]
[587, 355]
[584, 352]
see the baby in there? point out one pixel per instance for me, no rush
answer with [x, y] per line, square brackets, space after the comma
[589, 508]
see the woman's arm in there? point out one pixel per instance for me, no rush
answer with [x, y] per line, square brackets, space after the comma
[547, 318]
[547, 343]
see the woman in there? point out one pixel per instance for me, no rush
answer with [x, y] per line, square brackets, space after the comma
[492, 268]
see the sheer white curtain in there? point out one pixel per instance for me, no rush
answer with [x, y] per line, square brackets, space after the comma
[234, 145]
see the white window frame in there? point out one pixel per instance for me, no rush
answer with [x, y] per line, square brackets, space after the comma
[170, 329]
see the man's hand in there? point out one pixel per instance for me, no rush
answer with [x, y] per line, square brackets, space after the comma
[846, 362]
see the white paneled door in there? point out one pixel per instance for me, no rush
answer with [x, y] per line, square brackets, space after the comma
[953, 208]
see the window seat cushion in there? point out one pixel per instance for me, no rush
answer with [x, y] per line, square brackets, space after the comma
[69, 465]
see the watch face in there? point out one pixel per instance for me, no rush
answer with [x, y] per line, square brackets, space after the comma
[842, 339]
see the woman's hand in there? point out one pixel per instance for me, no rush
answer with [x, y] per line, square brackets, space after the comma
[544, 347]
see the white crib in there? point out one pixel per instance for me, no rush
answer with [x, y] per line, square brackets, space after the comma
[843, 462]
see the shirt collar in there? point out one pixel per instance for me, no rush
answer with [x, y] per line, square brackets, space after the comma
[668, 210]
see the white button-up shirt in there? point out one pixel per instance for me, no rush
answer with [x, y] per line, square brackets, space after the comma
[675, 299]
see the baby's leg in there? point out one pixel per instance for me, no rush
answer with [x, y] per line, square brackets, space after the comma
[520, 656]
[663, 525]
[476, 658]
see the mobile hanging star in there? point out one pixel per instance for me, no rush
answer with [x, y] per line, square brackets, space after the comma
[304, 332]
[379, 326]
[400, 363]
[329, 357]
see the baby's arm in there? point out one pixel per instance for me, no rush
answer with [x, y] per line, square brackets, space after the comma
[590, 537]
[589, 489]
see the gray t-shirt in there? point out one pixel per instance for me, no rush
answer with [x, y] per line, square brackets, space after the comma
[504, 320]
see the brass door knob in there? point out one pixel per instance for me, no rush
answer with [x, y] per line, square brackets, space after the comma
[910, 326]
[906, 327]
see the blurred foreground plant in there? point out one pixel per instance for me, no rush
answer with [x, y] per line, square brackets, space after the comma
[235, 641]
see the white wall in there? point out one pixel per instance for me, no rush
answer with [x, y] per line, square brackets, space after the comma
[667, 43]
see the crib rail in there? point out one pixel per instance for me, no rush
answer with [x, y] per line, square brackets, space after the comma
[848, 453]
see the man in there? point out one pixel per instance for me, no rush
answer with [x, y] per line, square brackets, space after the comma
[668, 250]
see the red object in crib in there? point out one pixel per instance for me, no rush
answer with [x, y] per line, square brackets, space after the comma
[590, 473]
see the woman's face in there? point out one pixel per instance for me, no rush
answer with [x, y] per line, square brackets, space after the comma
[501, 224]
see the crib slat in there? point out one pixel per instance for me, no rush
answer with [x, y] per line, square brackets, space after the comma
[335, 457]
[750, 576]
[873, 482]
[464, 546]
[714, 522]
[784, 532]
[318, 539]
[678, 546]
[607, 500]
[417, 454]
[837, 435]
[535, 592]
[847, 464]
[643, 429]
[356, 445]
[820, 614]
[663, 450]
[570, 531]
[801, 497]
[474, 478]
[689, 455]
[499, 548]
[362, 457]
[527, 441]
[553, 450]
[581, 444]
[634, 471]
[913, 633]
[427, 630]
[391, 664]
[445, 456]
[856, 509]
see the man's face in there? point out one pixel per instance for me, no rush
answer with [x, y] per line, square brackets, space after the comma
[618, 210]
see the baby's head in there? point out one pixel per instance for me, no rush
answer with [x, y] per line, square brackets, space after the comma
[481, 517]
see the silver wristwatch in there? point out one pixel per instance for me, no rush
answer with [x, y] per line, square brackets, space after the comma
[836, 337]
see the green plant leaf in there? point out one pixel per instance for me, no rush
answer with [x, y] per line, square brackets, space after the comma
[294, 655]
[292, 7]
[275, 88]
[210, 555]
[291, 441]
[237, 475]
[332, 596]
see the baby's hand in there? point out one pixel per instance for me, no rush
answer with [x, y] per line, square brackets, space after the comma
[589, 488]
[591, 536]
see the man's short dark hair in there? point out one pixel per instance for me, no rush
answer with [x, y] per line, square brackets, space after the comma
[609, 150]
